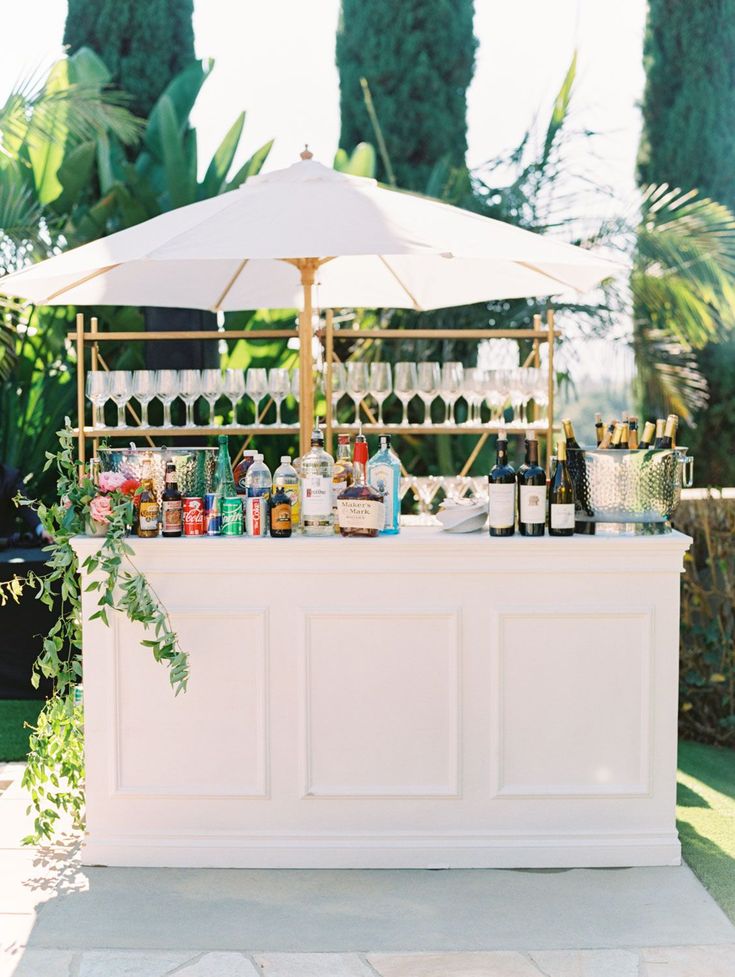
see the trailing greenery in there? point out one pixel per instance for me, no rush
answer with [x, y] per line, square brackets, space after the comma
[144, 45]
[54, 775]
[418, 59]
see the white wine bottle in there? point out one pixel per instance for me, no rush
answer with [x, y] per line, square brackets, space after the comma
[561, 496]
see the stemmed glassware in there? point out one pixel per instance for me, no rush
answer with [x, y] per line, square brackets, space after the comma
[473, 392]
[144, 390]
[404, 386]
[167, 390]
[380, 385]
[211, 389]
[339, 385]
[190, 389]
[279, 386]
[358, 385]
[98, 392]
[233, 387]
[427, 386]
[296, 387]
[256, 387]
[121, 382]
[451, 388]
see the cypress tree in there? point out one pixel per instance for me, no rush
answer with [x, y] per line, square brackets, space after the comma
[143, 43]
[688, 141]
[418, 58]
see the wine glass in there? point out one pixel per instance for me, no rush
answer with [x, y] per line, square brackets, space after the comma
[167, 390]
[451, 388]
[541, 393]
[233, 387]
[121, 382]
[144, 390]
[211, 387]
[190, 388]
[279, 386]
[427, 385]
[380, 385]
[296, 387]
[358, 384]
[256, 387]
[98, 392]
[339, 385]
[404, 386]
[516, 396]
[473, 392]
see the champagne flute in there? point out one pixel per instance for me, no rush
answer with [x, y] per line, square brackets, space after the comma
[358, 384]
[120, 389]
[233, 387]
[167, 390]
[380, 385]
[404, 386]
[256, 387]
[190, 388]
[451, 388]
[144, 390]
[279, 386]
[98, 392]
[211, 386]
[427, 385]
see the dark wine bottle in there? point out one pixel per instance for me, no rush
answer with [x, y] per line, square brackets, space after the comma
[561, 496]
[649, 429]
[531, 492]
[599, 429]
[568, 428]
[502, 492]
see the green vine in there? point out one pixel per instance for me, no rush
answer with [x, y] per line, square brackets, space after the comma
[54, 775]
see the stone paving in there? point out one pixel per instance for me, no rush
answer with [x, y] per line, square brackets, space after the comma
[31, 879]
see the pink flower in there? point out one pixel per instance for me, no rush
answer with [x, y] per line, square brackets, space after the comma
[109, 481]
[100, 508]
[65, 502]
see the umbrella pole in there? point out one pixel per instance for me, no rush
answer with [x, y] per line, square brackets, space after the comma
[307, 267]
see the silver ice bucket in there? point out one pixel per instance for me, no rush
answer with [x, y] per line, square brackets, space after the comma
[635, 491]
[194, 466]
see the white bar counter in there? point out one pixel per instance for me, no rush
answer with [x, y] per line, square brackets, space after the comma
[424, 700]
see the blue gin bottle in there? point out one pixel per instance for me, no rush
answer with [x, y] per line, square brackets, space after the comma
[384, 475]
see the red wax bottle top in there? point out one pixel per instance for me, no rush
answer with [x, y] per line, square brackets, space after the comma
[360, 454]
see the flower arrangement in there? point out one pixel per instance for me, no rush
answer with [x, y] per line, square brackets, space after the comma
[113, 489]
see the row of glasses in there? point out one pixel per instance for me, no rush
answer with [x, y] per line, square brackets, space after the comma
[189, 386]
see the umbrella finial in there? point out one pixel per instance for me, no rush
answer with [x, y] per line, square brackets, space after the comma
[306, 153]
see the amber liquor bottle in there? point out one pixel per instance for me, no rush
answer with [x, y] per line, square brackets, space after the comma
[360, 508]
[172, 505]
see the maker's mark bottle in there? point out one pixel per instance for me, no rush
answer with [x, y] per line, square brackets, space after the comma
[360, 507]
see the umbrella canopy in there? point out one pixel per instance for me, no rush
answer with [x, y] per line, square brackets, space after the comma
[374, 248]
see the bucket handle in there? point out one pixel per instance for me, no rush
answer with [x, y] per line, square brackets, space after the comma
[687, 474]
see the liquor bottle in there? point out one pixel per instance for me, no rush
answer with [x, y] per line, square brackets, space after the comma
[384, 475]
[241, 470]
[502, 491]
[315, 488]
[599, 429]
[633, 432]
[258, 483]
[649, 429]
[624, 435]
[281, 515]
[568, 428]
[361, 509]
[172, 505]
[617, 435]
[531, 480]
[287, 475]
[666, 440]
[148, 512]
[561, 496]
[607, 438]
[342, 474]
[660, 429]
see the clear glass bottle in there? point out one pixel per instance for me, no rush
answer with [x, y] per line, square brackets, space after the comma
[361, 509]
[342, 475]
[384, 475]
[315, 489]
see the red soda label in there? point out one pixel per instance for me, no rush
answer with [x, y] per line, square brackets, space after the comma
[193, 517]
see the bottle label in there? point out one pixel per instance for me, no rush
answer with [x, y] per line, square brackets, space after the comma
[281, 517]
[172, 515]
[381, 478]
[502, 505]
[361, 514]
[316, 497]
[148, 516]
[533, 503]
[562, 515]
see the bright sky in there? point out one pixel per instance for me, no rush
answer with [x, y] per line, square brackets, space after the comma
[276, 60]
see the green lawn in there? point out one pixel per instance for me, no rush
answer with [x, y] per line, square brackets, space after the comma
[705, 813]
[13, 736]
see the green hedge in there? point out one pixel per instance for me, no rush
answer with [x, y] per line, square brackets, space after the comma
[707, 664]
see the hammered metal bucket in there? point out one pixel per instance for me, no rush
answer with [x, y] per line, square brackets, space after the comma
[628, 491]
[194, 466]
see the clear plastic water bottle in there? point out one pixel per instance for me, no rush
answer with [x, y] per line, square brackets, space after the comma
[287, 475]
[258, 484]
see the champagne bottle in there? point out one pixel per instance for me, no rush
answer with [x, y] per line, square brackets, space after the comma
[605, 443]
[667, 438]
[616, 435]
[531, 492]
[633, 436]
[660, 429]
[649, 429]
[624, 435]
[568, 428]
[502, 491]
[599, 429]
[561, 496]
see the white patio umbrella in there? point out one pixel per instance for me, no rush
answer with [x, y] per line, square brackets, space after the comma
[267, 243]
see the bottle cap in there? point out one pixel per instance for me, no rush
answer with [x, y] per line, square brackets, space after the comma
[285, 459]
[250, 453]
[385, 440]
[258, 457]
